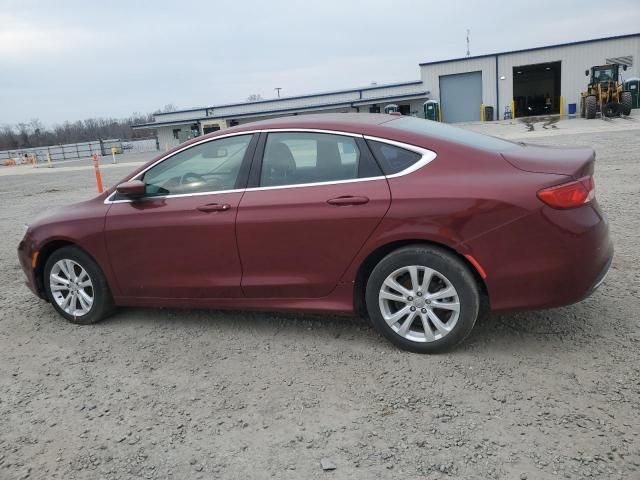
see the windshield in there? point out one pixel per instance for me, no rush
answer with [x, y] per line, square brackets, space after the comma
[442, 131]
[604, 75]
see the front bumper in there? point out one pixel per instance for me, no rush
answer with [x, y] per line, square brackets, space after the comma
[25, 251]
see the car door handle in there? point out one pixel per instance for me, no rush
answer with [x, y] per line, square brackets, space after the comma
[214, 207]
[347, 200]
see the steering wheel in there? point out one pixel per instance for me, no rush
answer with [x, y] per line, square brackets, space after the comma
[191, 177]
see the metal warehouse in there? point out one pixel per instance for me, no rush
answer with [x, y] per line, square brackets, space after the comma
[524, 79]
[176, 127]
[541, 80]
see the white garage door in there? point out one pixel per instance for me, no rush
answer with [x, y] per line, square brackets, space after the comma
[461, 96]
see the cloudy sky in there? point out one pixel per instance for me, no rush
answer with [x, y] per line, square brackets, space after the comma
[66, 60]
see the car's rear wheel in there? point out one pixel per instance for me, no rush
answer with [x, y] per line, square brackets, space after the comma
[422, 299]
[76, 287]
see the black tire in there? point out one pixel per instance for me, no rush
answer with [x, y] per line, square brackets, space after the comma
[102, 305]
[443, 262]
[627, 103]
[611, 109]
[590, 105]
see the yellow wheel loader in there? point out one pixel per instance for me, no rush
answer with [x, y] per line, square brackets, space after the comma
[605, 93]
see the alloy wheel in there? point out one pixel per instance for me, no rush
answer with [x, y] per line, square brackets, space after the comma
[71, 287]
[419, 303]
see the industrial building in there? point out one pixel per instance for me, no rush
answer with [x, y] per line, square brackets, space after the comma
[525, 82]
[526, 79]
[175, 127]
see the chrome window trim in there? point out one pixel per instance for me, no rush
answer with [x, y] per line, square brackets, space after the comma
[427, 157]
[177, 195]
[314, 184]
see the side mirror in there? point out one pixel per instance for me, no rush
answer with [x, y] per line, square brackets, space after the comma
[586, 73]
[132, 189]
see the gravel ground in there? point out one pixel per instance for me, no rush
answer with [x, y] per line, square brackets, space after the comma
[210, 394]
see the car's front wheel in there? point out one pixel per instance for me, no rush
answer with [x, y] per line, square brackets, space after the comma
[423, 299]
[76, 286]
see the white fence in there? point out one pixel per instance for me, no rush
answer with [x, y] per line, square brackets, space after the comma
[74, 151]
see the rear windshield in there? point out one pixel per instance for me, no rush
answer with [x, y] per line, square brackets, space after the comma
[441, 131]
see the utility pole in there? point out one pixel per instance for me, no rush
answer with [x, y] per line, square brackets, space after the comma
[468, 51]
[277, 89]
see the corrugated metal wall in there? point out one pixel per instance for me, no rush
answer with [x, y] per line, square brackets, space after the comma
[324, 101]
[165, 137]
[575, 59]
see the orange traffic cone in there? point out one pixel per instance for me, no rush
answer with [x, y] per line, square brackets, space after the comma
[96, 167]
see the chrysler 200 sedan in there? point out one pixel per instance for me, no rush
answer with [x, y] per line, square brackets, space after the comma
[414, 224]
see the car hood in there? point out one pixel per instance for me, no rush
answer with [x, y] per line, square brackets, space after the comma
[81, 211]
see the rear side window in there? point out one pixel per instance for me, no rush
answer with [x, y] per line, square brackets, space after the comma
[292, 158]
[392, 159]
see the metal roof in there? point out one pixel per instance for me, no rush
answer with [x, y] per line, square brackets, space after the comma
[302, 108]
[309, 95]
[165, 124]
[497, 54]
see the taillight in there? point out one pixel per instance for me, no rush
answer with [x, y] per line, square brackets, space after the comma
[569, 195]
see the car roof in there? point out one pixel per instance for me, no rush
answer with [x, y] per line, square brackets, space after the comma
[347, 122]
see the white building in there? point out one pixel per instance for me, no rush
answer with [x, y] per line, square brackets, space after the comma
[525, 80]
[175, 127]
[524, 77]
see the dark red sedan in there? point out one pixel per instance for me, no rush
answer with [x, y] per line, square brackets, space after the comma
[407, 221]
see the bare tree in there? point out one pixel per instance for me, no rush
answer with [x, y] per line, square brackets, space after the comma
[168, 108]
[23, 134]
[35, 134]
[8, 138]
[254, 97]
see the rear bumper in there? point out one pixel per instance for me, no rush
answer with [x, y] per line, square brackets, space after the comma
[601, 278]
[548, 259]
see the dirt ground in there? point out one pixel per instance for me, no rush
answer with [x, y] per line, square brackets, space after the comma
[210, 394]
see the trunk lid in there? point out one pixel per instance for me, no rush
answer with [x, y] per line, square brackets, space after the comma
[574, 162]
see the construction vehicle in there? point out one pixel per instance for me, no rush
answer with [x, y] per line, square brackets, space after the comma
[605, 93]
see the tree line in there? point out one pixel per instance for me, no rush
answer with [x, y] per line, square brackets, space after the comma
[35, 134]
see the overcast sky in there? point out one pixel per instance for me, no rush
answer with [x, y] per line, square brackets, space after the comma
[74, 60]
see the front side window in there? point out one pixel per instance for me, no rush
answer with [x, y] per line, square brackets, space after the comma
[208, 167]
[297, 158]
